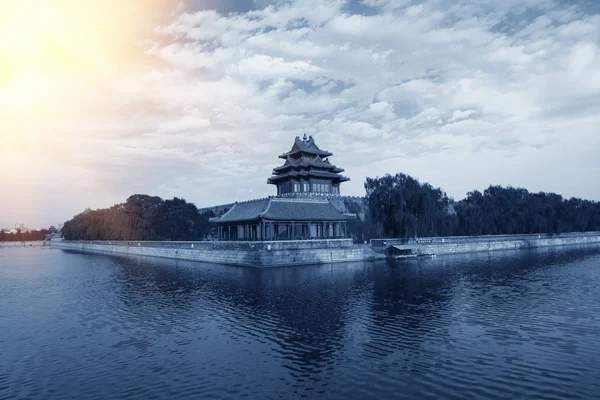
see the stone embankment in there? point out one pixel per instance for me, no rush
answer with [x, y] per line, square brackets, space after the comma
[303, 252]
[471, 244]
[255, 254]
[35, 243]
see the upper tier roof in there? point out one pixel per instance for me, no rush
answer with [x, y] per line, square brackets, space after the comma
[305, 145]
[306, 162]
[308, 174]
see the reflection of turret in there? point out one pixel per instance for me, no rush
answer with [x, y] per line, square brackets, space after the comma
[306, 327]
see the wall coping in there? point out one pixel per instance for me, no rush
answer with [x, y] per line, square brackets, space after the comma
[480, 238]
[206, 241]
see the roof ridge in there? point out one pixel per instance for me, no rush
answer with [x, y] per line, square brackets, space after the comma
[301, 199]
[266, 209]
[228, 211]
[252, 200]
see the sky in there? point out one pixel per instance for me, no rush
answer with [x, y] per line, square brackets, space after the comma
[196, 98]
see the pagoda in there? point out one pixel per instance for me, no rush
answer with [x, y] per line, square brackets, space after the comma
[307, 170]
[301, 210]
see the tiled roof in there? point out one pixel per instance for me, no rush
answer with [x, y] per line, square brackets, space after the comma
[307, 161]
[282, 209]
[306, 145]
[300, 209]
[246, 211]
[306, 174]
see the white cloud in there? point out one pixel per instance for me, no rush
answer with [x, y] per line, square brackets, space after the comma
[264, 67]
[435, 88]
[460, 114]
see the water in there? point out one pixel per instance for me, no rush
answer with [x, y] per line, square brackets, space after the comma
[517, 325]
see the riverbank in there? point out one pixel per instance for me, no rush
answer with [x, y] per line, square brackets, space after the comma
[35, 243]
[473, 244]
[253, 254]
[264, 254]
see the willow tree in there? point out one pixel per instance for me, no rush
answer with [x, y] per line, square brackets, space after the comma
[405, 208]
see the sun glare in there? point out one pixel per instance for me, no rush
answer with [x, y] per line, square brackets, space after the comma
[47, 46]
[67, 35]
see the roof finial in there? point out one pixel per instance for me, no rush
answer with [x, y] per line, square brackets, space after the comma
[304, 137]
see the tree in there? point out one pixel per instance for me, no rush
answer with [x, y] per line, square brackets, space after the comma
[141, 217]
[407, 208]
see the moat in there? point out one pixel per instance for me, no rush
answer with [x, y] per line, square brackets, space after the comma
[515, 324]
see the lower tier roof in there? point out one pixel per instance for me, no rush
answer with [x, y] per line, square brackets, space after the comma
[282, 209]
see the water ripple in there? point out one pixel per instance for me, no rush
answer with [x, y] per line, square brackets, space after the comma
[489, 326]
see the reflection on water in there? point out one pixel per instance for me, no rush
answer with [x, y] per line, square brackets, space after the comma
[490, 325]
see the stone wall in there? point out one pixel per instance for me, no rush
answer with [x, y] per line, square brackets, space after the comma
[256, 254]
[36, 243]
[470, 244]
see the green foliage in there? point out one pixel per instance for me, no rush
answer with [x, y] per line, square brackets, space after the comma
[407, 208]
[509, 210]
[21, 236]
[362, 227]
[141, 217]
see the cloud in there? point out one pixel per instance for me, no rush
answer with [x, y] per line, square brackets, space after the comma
[441, 90]
[460, 114]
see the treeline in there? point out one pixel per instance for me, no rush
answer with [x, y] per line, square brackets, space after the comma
[401, 206]
[141, 217]
[24, 236]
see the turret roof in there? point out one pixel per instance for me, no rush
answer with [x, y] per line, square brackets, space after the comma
[305, 145]
[307, 174]
[307, 161]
